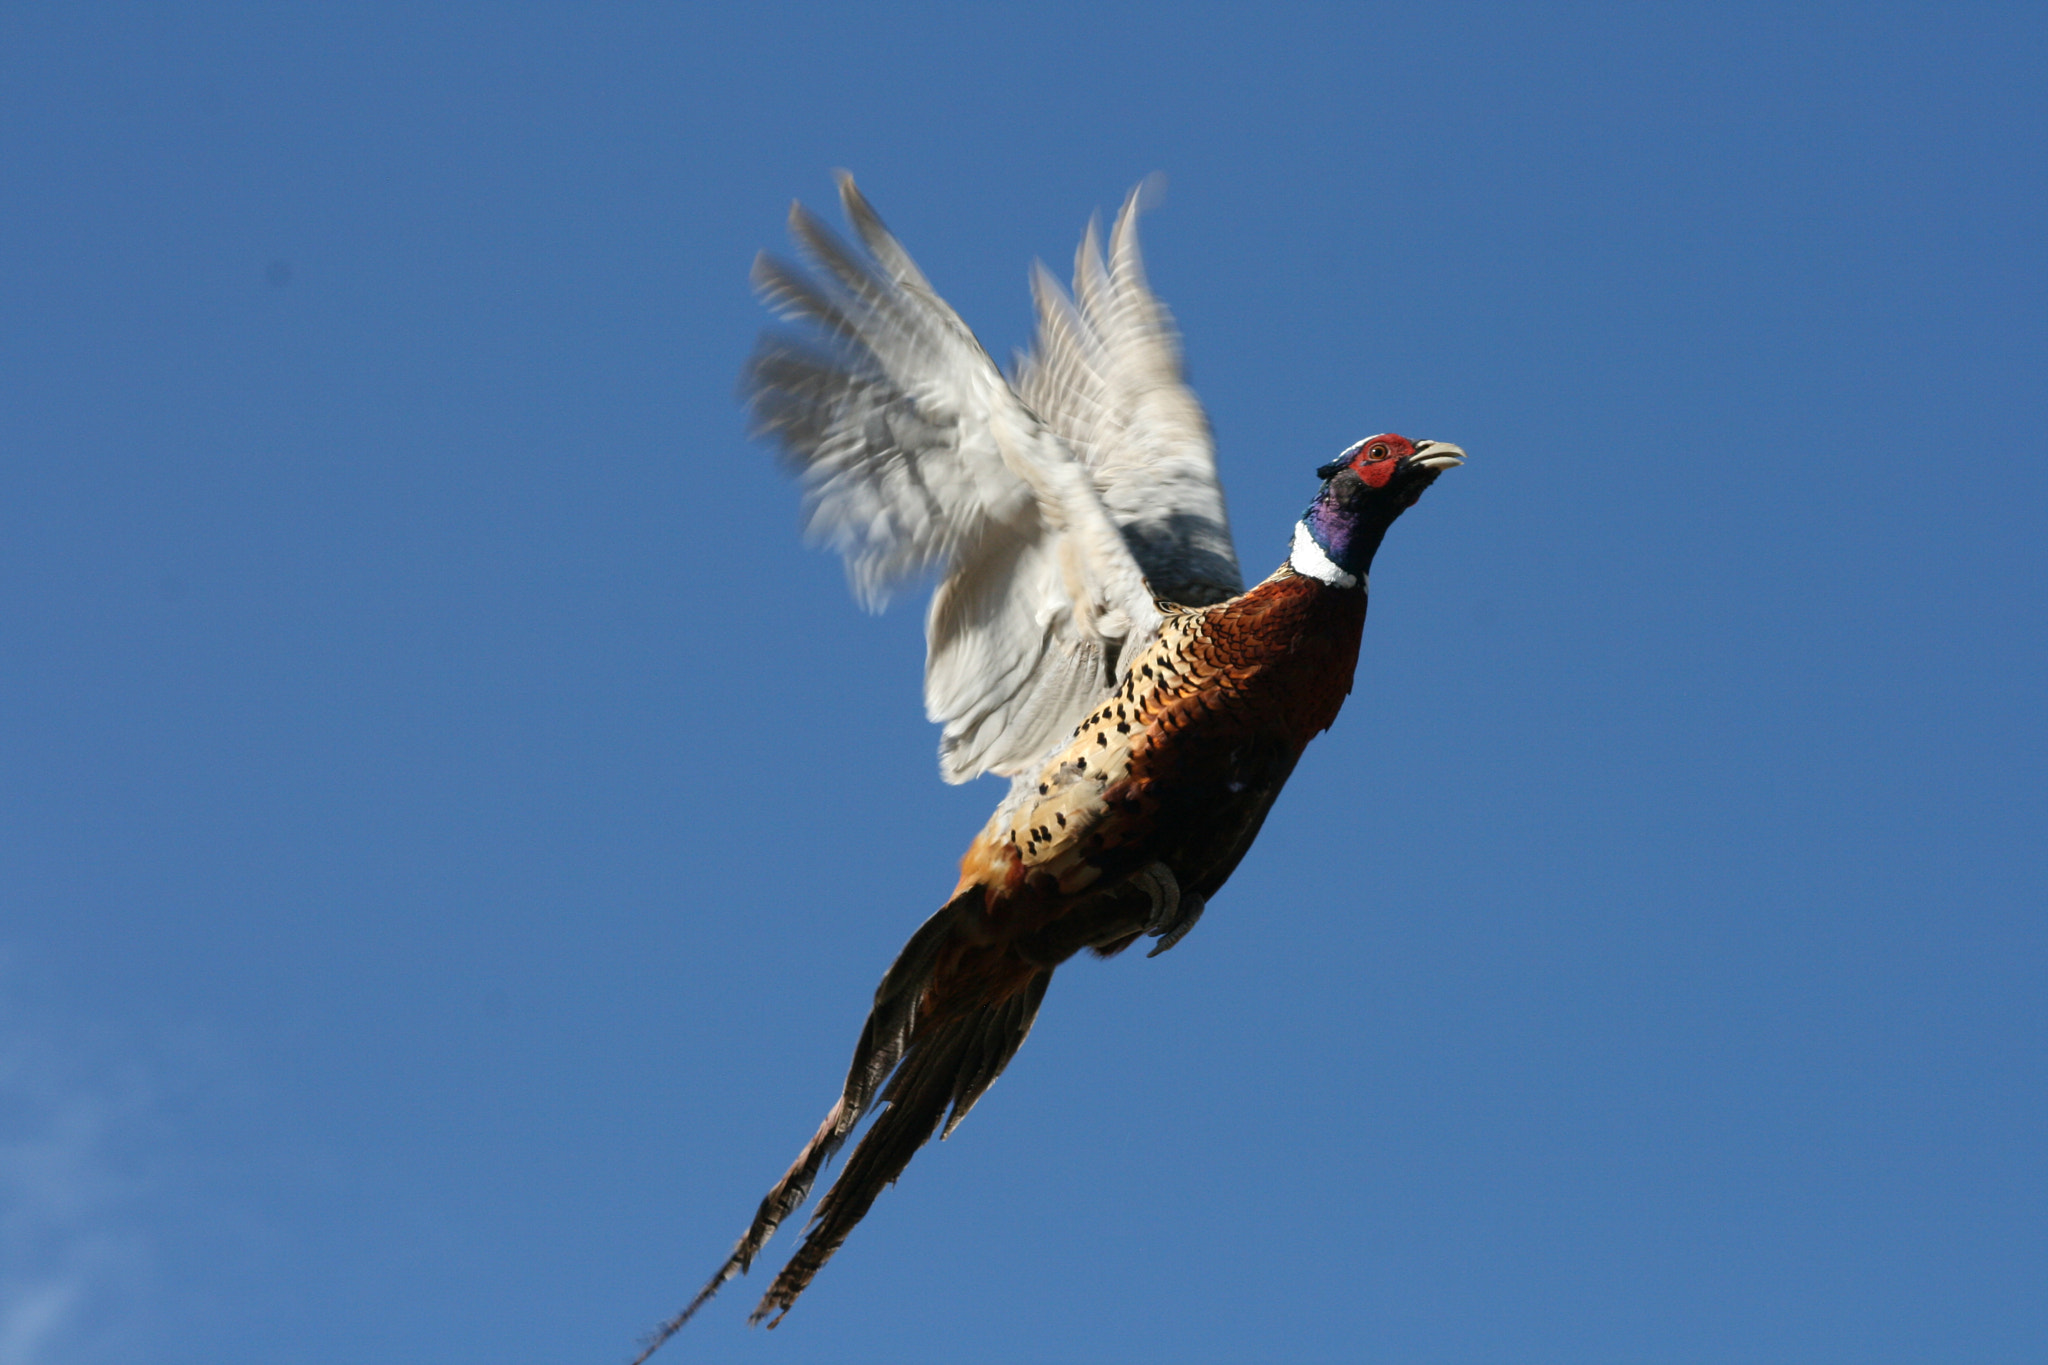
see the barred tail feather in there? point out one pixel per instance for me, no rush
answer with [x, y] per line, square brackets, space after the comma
[954, 1066]
[951, 1066]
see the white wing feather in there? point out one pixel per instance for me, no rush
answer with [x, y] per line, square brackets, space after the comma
[916, 454]
[1105, 372]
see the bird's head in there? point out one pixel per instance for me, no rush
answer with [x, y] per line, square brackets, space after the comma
[1363, 490]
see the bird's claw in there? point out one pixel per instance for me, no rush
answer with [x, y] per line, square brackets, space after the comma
[1173, 913]
[1191, 907]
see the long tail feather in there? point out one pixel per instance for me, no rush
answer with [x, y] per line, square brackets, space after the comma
[959, 1060]
[952, 1065]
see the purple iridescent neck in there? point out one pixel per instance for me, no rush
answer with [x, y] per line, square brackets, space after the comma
[1345, 524]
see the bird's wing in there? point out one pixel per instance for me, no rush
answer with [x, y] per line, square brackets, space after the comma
[916, 455]
[1105, 373]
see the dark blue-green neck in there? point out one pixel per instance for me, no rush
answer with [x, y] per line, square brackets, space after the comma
[1348, 520]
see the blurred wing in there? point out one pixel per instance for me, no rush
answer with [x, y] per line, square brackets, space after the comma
[916, 455]
[1105, 373]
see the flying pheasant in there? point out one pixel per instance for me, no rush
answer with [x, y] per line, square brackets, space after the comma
[1090, 638]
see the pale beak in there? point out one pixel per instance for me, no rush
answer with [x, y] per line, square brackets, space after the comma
[1437, 456]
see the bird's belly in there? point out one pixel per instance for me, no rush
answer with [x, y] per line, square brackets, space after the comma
[1187, 786]
[1178, 766]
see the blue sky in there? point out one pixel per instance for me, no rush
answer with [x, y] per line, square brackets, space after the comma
[450, 827]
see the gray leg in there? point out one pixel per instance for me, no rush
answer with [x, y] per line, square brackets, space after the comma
[1191, 907]
[1157, 881]
[1173, 913]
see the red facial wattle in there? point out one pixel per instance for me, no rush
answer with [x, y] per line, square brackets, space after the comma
[1377, 457]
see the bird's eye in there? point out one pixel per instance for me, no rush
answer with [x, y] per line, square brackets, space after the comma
[1378, 452]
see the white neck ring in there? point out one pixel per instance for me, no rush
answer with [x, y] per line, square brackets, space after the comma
[1309, 559]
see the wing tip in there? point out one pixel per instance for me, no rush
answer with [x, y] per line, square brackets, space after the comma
[850, 198]
[1149, 194]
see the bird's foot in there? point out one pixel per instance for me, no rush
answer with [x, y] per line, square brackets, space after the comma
[1173, 913]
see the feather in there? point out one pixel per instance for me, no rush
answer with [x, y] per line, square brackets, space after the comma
[883, 1041]
[917, 456]
[1105, 373]
[931, 1060]
[950, 1066]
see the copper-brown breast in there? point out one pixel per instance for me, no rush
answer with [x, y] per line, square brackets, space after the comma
[1180, 762]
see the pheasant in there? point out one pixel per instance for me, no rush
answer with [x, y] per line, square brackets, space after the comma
[1089, 638]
